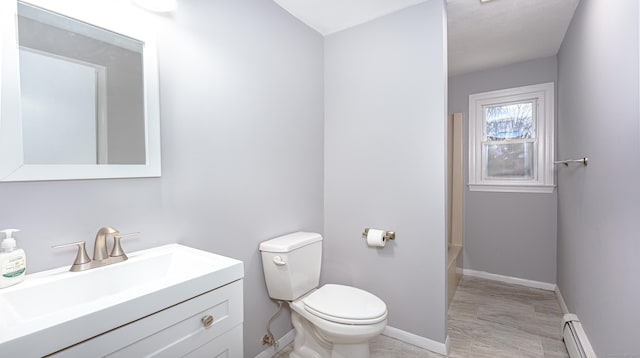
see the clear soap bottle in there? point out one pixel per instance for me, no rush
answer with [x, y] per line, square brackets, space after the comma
[13, 261]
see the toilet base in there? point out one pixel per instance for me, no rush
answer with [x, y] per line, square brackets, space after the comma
[339, 351]
[312, 343]
[307, 343]
[350, 350]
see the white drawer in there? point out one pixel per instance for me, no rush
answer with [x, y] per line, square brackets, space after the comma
[228, 345]
[172, 332]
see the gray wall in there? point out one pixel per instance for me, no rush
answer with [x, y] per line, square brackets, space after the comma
[385, 163]
[242, 142]
[511, 234]
[599, 205]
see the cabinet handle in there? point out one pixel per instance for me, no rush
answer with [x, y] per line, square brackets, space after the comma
[207, 321]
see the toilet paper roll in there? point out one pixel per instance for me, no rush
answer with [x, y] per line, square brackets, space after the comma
[375, 238]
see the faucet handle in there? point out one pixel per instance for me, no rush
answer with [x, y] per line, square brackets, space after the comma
[81, 256]
[117, 249]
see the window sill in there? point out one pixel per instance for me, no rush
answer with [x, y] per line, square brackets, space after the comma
[544, 189]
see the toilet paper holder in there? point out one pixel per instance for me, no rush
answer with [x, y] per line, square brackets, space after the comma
[388, 235]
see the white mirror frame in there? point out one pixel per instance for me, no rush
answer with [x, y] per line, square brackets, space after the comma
[116, 16]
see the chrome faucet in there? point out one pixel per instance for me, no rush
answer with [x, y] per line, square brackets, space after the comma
[101, 256]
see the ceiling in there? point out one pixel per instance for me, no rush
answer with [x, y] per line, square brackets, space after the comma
[480, 36]
[329, 16]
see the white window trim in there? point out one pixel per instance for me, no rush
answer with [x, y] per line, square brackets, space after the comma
[543, 180]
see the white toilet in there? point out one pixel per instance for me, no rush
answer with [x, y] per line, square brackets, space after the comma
[331, 321]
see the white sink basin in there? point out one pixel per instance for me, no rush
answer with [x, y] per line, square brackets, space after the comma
[55, 308]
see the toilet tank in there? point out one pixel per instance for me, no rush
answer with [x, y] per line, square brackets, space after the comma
[291, 264]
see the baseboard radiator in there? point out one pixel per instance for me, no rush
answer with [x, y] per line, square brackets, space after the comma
[575, 339]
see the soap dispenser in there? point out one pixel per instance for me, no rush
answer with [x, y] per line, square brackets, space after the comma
[13, 261]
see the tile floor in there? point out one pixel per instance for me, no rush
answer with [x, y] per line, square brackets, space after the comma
[495, 319]
[490, 319]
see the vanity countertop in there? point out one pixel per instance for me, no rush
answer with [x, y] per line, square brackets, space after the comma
[54, 309]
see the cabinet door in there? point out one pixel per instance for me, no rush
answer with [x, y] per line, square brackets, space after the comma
[229, 345]
[173, 332]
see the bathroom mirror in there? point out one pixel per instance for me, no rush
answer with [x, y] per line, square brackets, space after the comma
[79, 92]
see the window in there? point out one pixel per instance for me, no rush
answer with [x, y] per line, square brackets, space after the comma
[511, 140]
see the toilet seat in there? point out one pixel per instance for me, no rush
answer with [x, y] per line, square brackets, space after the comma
[345, 304]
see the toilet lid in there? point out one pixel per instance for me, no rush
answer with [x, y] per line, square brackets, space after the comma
[345, 304]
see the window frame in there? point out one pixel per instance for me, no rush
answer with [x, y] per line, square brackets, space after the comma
[542, 96]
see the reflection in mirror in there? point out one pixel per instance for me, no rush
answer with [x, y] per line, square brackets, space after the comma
[81, 91]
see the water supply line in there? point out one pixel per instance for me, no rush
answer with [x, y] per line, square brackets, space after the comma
[268, 338]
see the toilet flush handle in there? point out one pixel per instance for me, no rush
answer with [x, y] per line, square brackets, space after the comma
[279, 261]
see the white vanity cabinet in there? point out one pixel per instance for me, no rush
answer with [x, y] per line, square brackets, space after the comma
[208, 325]
[167, 301]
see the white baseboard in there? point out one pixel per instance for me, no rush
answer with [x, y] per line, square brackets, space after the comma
[282, 343]
[508, 279]
[447, 346]
[563, 305]
[404, 336]
[418, 341]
